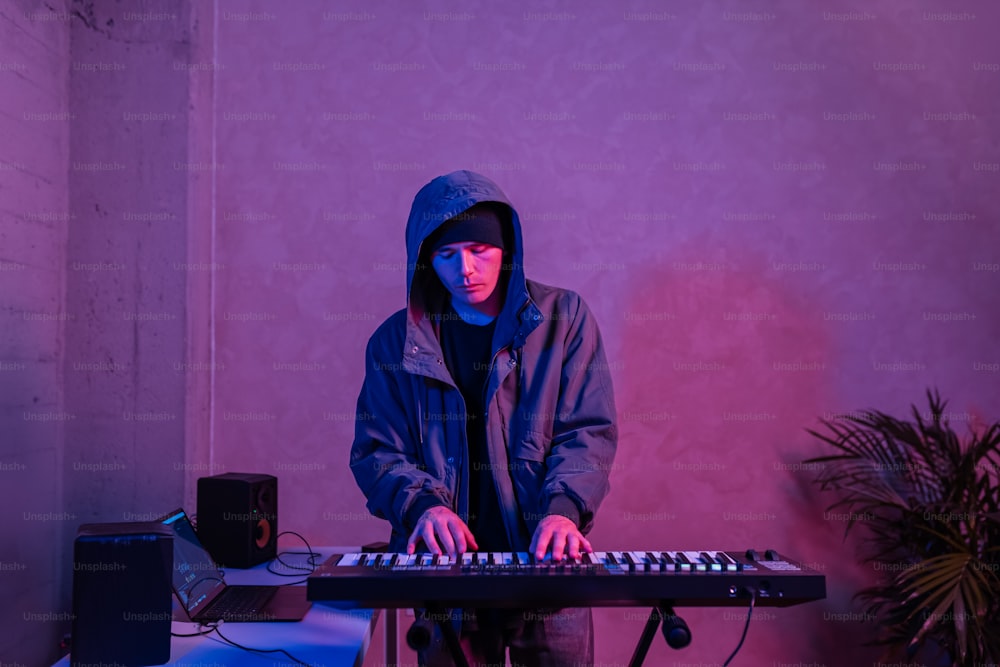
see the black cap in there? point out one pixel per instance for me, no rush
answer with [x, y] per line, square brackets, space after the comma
[480, 224]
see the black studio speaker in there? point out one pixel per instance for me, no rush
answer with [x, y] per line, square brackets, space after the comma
[122, 596]
[238, 518]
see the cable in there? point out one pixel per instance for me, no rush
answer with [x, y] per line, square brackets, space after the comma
[753, 598]
[258, 650]
[200, 633]
[311, 560]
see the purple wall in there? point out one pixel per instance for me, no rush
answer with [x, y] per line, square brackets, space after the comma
[777, 213]
[94, 216]
[34, 216]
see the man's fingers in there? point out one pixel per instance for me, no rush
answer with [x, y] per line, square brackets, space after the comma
[573, 546]
[457, 534]
[430, 541]
[544, 536]
[558, 545]
[470, 539]
[442, 531]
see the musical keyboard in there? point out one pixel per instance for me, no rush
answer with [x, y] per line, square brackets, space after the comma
[599, 579]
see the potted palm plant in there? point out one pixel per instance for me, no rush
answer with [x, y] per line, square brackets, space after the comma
[929, 505]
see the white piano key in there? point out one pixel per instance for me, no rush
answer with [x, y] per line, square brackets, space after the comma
[731, 565]
[349, 560]
[695, 558]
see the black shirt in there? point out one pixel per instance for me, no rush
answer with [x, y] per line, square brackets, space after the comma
[468, 353]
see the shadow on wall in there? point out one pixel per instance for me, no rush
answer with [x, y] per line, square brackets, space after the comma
[721, 371]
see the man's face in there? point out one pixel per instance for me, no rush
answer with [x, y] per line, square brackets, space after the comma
[469, 271]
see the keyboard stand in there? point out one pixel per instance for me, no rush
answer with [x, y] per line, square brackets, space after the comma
[419, 635]
[675, 631]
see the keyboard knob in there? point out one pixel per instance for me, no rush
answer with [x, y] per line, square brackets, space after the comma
[771, 554]
[752, 555]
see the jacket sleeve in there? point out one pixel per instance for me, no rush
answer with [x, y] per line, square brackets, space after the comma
[585, 430]
[384, 456]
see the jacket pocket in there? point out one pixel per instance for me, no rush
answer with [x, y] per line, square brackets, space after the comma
[528, 469]
[530, 448]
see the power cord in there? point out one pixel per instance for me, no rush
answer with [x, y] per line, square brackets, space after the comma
[753, 599]
[209, 628]
[258, 650]
[201, 633]
[310, 566]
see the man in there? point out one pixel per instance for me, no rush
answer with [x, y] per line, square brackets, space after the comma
[486, 421]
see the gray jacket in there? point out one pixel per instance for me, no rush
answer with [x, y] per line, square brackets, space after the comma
[550, 423]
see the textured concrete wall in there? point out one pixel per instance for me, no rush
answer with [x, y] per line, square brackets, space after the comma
[95, 249]
[128, 260]
[777, 212]
[34, 217]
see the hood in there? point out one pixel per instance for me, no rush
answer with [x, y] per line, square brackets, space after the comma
[443, 198]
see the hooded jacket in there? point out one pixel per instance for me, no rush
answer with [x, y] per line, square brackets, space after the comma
[550, 416]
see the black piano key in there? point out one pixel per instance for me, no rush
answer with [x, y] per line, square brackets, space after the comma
[683, 563]
[655, 564]
[612, 559]
[641, 565]
[713, 564]
[667, 563]
[730, 564]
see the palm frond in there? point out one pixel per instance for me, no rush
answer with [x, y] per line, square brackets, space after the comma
[929, 504]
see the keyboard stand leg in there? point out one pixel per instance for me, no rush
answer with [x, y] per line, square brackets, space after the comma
[646, 639]
[391, 636]
[450, 637]
[675, 631]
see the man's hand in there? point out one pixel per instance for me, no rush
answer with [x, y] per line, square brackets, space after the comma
[562, 535]
[442, 531]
